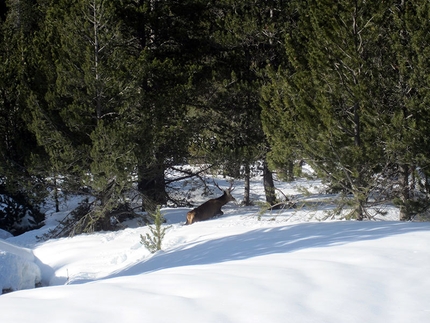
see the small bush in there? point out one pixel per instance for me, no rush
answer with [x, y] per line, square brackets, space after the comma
[153, 241]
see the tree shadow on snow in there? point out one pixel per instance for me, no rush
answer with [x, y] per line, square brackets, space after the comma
[267, 241]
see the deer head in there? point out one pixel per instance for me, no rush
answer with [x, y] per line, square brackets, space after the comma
[211, 208]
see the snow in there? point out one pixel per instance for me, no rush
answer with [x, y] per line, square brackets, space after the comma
[281, 267]
[18, 268]
[4, 234]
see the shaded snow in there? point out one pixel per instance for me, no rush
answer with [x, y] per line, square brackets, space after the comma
[18, 268]
[4, 234]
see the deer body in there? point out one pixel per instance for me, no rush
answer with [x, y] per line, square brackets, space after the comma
[210, 208]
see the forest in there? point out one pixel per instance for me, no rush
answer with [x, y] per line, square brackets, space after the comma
[103, 98]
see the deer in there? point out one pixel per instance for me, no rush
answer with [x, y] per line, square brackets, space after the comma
[212, 207]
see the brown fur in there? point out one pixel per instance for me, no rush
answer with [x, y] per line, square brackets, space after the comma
[210, 208]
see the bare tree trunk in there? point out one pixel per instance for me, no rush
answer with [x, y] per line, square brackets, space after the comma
[56, 195]
[405, 212]
[246, 193]
[269, 186]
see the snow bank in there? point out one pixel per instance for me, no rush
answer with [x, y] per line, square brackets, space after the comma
[18, 269]
[233, 269]
[5, 235]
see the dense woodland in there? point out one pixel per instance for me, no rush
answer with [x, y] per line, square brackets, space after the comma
[102, 98]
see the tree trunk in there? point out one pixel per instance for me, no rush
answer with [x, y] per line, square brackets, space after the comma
[290, 171]
[269, 186]
[360, 211]
[405, 212]
[56, 195]
[246, 193]
[152, 185]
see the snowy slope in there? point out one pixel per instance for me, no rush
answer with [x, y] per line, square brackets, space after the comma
[286, 267]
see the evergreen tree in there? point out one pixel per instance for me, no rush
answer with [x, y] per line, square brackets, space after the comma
[153, 241]
[21, 180]
[407, 132]
[247, 35]
[174, 39]
[80, 120]
[329, 102]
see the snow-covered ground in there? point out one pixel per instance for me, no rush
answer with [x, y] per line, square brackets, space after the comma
[280, 267]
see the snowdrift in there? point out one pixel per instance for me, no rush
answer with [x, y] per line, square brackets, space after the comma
[280, 267]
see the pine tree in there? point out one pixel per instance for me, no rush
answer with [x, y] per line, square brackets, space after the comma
[173, 70]
[81, 120]
[153, 241]
[21, 179]
[328, 102]
[247, 36]
[407, 132]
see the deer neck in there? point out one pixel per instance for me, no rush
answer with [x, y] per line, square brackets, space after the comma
[223, 199]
